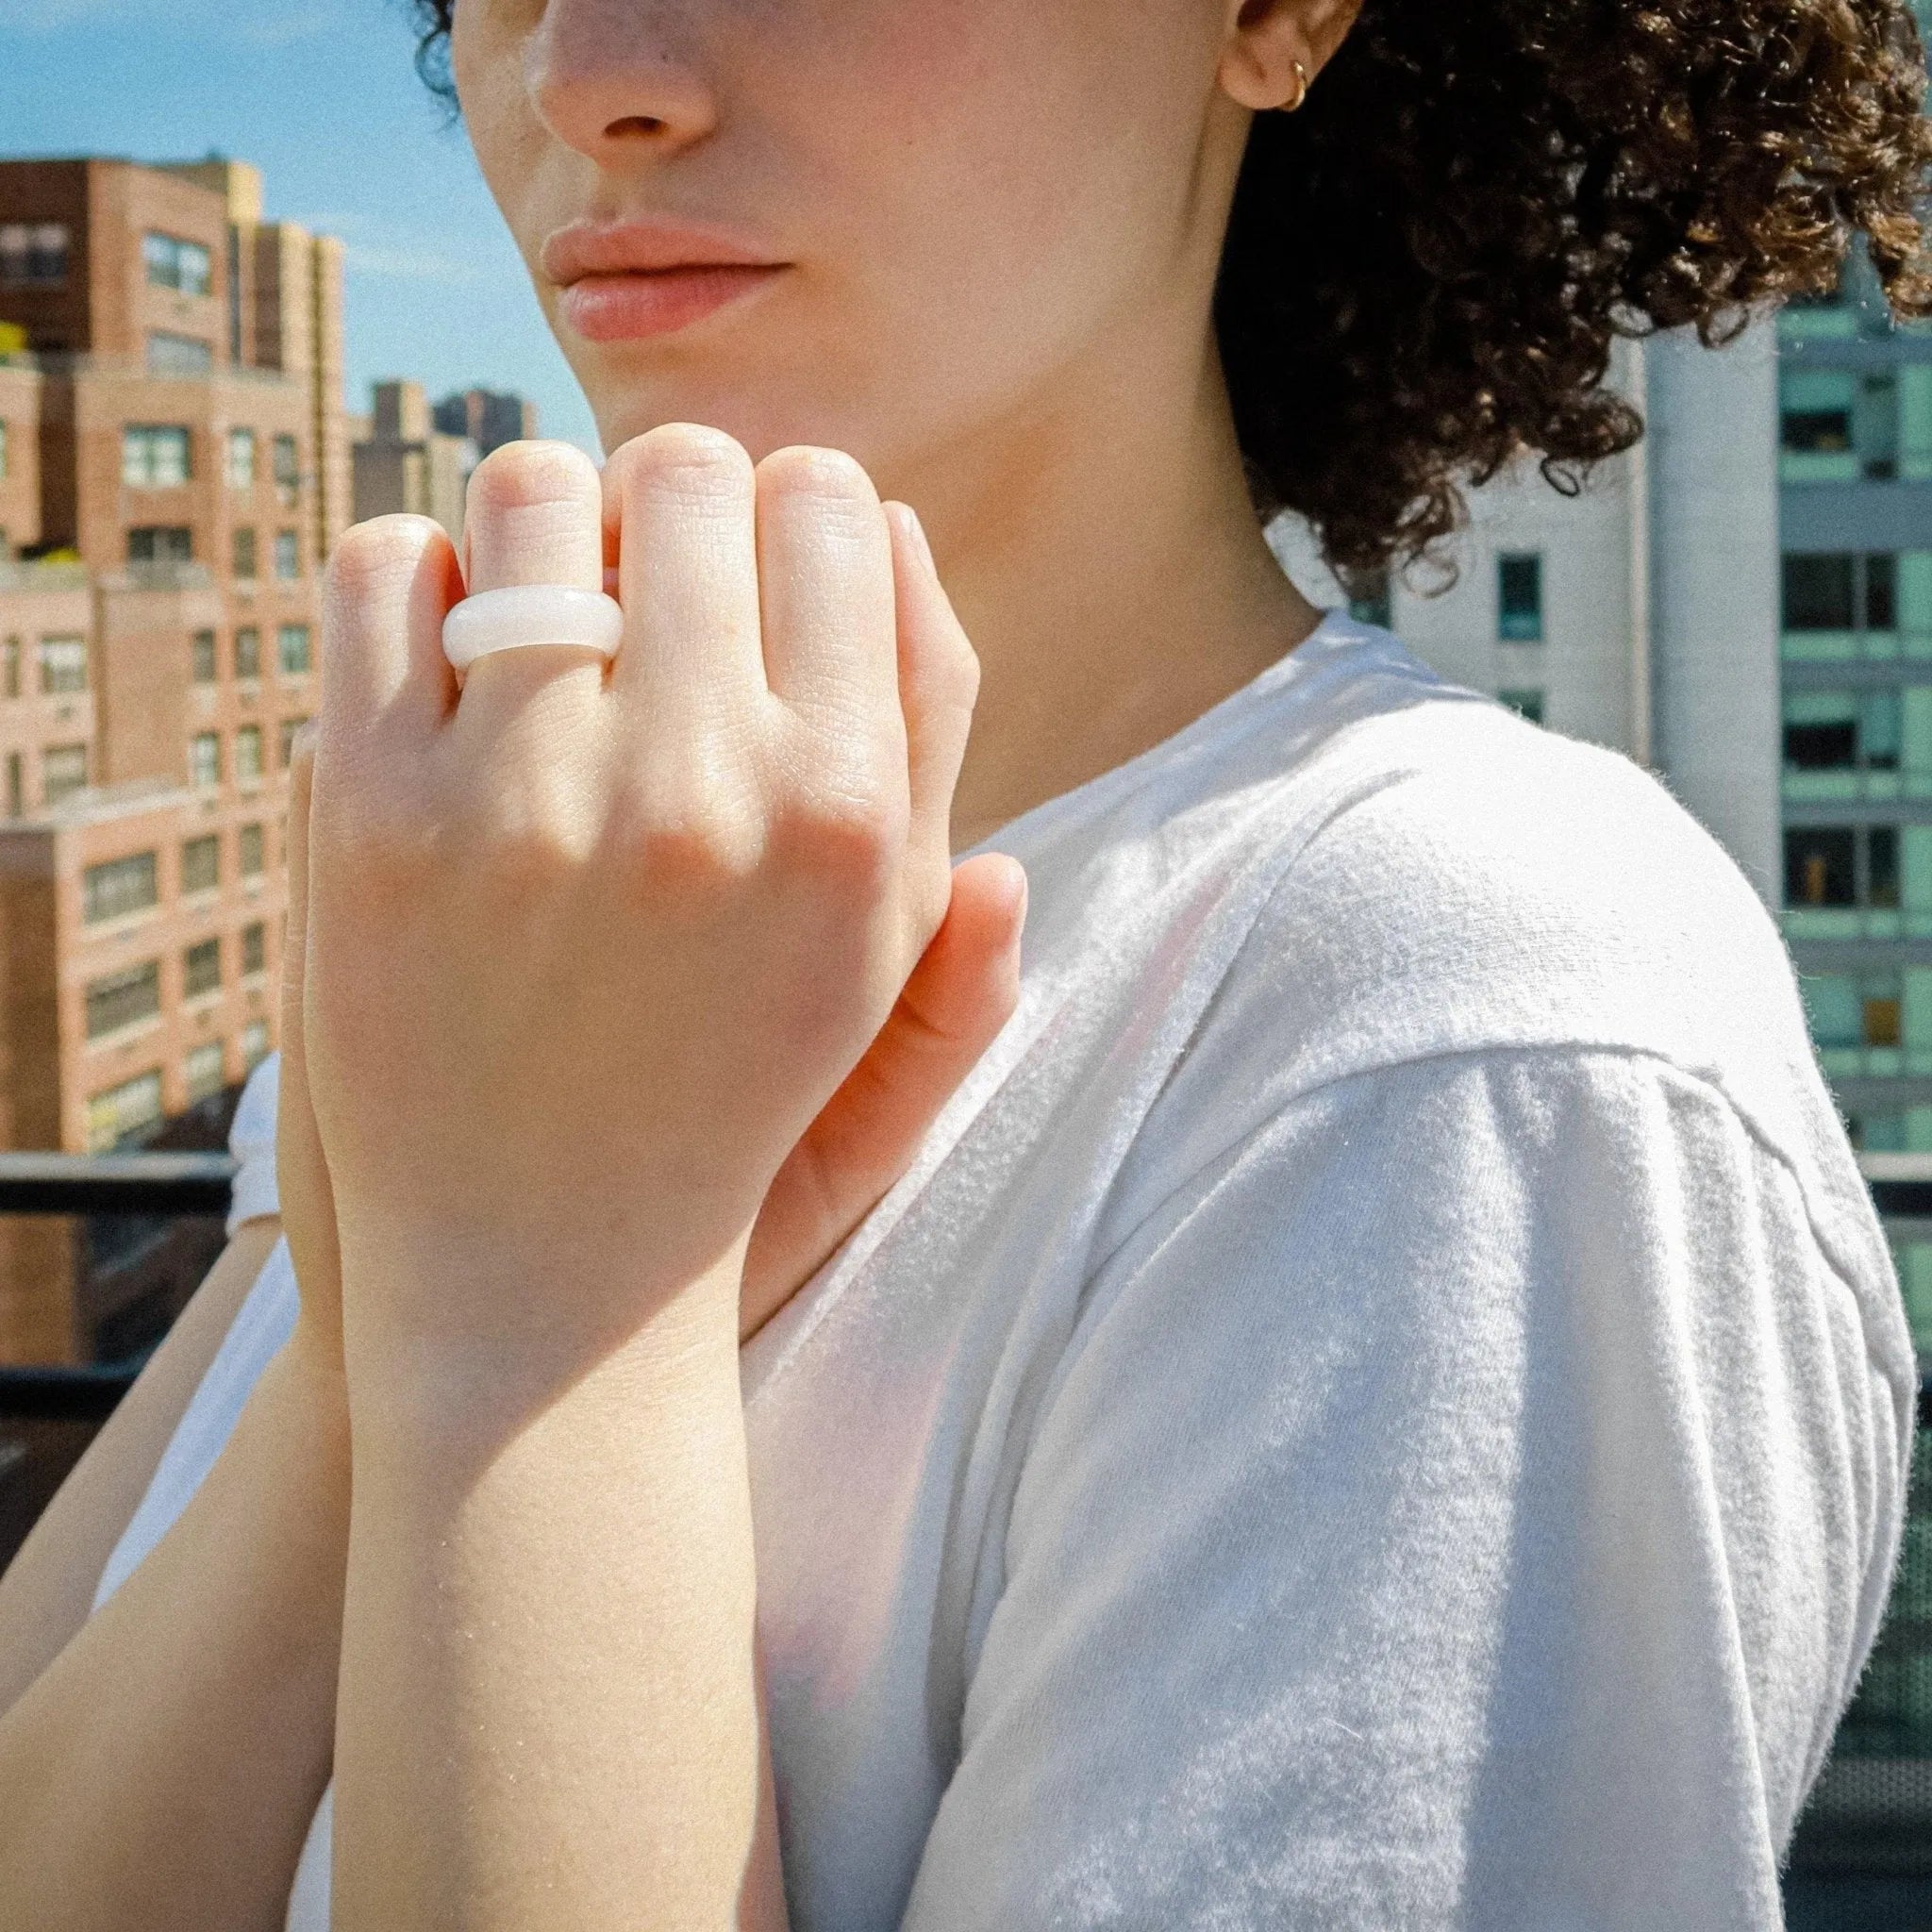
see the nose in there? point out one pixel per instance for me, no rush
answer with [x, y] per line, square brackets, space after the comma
[617, 80]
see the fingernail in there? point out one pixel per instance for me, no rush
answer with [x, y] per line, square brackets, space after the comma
[1019, 888]
[916, 531]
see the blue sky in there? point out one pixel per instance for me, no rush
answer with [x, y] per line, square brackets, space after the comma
[321, 95]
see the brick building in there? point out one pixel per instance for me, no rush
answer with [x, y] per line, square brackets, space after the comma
[174, 467]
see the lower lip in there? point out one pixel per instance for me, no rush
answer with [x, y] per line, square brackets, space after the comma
[658, 302]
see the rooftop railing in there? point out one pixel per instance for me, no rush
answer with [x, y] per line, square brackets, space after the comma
[1863, 1852]
[38, 575]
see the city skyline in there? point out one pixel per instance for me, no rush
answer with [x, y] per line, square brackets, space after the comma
[306, 90]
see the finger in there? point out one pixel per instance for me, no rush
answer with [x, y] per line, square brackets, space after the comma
[307, 1200]
[827, 596]
[388, 585]
[683, 499]
[939, 681]
[957, 998]
[533, 515]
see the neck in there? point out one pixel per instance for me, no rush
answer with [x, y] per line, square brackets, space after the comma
[1106, 563]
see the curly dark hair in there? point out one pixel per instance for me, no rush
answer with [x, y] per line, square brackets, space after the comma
[1426, 265]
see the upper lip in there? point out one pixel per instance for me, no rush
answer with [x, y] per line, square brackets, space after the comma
[638, 247]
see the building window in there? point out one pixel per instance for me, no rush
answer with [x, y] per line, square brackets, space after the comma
[178, 355]
[1526, 704]
[287, 469]
[172, 264]
[1843, 730]
[251, 852]
[1852, 1009]
[16, 785]
[123, 1114]
[63, 772]
[287, 556]
[124, 999]
[254, 1043]
[1837, 426]
[160, 544]
[253, 949]
[202, 1072]
[201, 648]
[1839, 591]
[1520, 597]
[205, 759]
[154, 456]
[201, 968]
[1841, 866]
[290, 727]
[240, 463]
[248, 652]
[117, 887]
[33, 255]
[1367, 601]
[292, 643]
[246, 554]
[10, 668]
[201, 863]
[248, 753]
[64, 664]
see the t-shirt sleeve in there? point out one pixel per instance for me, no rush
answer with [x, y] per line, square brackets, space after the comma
[252, 1141]
[1468, 1502]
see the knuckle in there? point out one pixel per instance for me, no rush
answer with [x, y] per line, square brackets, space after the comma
[518, 474]
[524, 860]
[384, 852]
[683, 456]
[372, 556]
[827, 477]
[689, 853]
[848, 834]
[956, 672]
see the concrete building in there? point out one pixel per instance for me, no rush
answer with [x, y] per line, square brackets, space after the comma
[175, 468]
[1640, 612]
[405, 465]
[489, 420]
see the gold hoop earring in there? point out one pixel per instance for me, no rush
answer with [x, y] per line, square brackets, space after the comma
[1301, 74]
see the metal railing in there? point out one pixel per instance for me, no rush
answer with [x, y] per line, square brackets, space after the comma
[1863, 1852]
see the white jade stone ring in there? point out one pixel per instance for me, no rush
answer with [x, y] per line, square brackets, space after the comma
[530, 614]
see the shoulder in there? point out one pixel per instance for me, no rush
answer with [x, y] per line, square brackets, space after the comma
[1478, 886]
[1481, 883]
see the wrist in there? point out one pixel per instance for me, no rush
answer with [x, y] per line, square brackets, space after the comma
[453, 1350]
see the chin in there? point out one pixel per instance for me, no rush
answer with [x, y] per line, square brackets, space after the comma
[762, 424]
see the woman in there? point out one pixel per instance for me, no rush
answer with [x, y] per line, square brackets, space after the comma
[1374, 1394]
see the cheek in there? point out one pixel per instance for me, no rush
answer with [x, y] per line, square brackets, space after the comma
[1016, 172]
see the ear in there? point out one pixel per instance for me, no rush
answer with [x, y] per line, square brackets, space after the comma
[1268, 39]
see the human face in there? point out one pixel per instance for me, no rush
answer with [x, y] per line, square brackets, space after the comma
[956, 212]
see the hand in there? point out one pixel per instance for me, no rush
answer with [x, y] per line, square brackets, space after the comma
[960, 996]
[590, 953]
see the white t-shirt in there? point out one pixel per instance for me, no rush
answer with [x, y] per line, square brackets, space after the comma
[1382, 1402]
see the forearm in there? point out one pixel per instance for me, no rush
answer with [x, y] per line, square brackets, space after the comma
[549, 1712]
[163, 1768]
